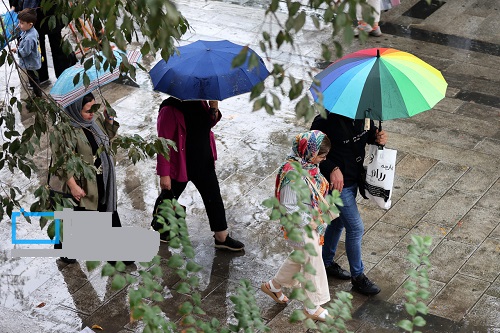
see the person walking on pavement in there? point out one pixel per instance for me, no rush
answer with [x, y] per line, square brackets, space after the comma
[28, 51]
[188, 124]
[309, 149]
[343, 167]
[60, 60]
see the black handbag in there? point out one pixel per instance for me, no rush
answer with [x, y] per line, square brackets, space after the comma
[165, 194]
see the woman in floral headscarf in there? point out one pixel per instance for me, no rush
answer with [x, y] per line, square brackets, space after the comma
[308, 149]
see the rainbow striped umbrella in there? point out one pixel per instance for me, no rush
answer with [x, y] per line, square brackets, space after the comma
[379, 83]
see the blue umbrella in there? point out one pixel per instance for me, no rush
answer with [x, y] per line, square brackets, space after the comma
[10, 23]
[66, 92]
[203, 70]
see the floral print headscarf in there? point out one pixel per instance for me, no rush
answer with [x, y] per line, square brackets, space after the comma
[305, 147]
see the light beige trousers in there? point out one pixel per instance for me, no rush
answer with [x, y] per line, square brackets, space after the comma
[289, 268]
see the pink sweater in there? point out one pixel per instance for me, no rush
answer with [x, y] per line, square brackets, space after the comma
[171, 125]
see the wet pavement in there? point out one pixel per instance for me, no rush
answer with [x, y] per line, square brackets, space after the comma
[447, 186]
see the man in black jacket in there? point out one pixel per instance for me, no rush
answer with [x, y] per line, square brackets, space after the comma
[343, 168]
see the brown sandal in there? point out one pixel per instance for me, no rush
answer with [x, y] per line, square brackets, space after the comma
[269, 289]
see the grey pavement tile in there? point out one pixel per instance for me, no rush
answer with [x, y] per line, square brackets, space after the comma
[389, 274]
[482, 263]
[479, 111]
[450, 105]
[445, 153]
[489, 146]
[490, 199]
[474, 227]
[476, 70]
[410, 209]
[475, 181]
[414, 166]
[369, 213]
[90, 296]
[494, 289]
[440, 178]
[435, 231]
[496, 233]
[170, 306]
[380, 240]
[451, 208]
[400, 187]
[451, 136]
[447, 258]
[281, 322]
[399, 295]
[54, 318]
[458, 297]
[486, 312]
[218, 304]
[113, 315]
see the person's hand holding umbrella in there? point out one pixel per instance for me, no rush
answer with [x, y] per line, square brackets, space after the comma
[381, 137]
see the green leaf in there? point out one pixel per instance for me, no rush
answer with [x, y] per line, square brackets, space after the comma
[193, 267]
[298, 256]
[406, 325]
[91, 265]
[297, 315]
[410, 308]
[240, 58]
[422, 308]
[108, 270]
[118, 282]
[183, 288]
[419, 321]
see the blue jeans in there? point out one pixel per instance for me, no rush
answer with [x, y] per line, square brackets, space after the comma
[350, 220]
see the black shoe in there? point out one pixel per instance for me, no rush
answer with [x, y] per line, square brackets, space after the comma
[229, 244]
[364, 286]
[334, 270]
[67, 260]
[164, 237]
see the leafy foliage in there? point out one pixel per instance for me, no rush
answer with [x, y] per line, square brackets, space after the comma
[418, 284]
[155, 25]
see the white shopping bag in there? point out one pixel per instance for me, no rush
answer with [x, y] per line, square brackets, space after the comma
[380, 175]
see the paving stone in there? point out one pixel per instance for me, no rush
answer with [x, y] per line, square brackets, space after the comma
[447, 104]
[475, 226]
[370, 214]
[444, 153]
[475, 110]
[461, 293]
[486, 312]
[494, 289]
[484, 263]
[114, 315]
[380, 239]
[475, 181]
[410, 209]
[389, 274]
[281, 322]
[399, 295]
[489, 146]
[440, 178]
[451, 208]
[490, 199]
[447, 258]
[435, 231]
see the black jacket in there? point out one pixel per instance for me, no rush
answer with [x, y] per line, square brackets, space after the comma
[342, 154]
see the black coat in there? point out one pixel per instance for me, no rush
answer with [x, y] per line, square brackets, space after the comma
[342, 153]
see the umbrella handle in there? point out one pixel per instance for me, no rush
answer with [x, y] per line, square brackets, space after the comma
[380, 129]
